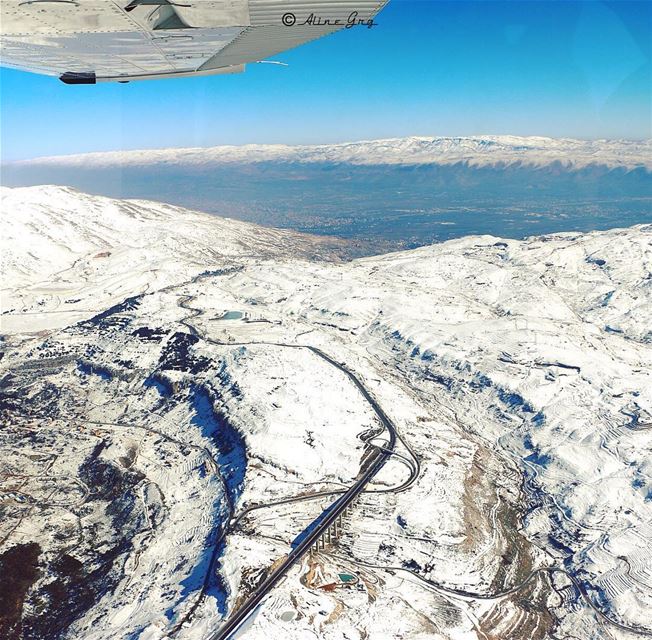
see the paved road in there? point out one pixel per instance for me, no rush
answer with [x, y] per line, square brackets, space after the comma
[328, 517]
[331, 514]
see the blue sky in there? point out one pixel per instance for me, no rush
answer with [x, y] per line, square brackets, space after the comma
[577, 69]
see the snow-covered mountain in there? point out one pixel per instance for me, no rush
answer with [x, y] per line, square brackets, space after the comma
[158, 399]
[476, 151]
[104, 249]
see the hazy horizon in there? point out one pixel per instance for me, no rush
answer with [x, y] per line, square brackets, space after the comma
[367, 193]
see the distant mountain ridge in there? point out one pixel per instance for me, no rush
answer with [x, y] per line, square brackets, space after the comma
[473, 151]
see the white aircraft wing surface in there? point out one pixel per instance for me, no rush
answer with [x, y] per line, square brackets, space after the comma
[88, 41]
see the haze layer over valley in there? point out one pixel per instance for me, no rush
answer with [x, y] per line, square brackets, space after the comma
[183, 397]
[395, 193]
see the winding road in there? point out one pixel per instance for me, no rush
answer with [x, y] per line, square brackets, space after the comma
[330, 515]
[348, 496]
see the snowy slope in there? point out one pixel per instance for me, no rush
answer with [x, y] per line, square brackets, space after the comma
[67, 254]
[517, 373]
[476, 151]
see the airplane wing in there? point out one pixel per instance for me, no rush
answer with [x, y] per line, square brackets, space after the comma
[88, 41]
